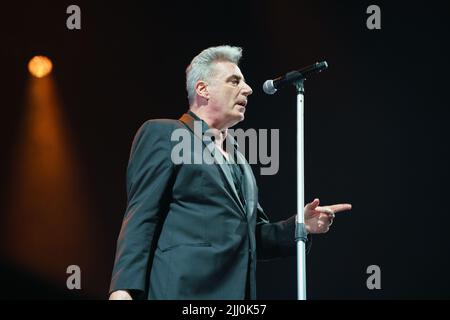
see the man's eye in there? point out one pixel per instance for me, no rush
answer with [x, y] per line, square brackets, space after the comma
[235, 81]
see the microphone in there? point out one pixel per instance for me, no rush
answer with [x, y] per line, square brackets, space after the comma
[271, 86]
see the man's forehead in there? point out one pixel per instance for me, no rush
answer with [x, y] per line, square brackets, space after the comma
[225, 69]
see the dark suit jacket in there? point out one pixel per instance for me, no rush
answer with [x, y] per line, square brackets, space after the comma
[186, 234]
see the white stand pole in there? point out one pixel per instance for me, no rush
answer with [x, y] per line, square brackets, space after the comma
[300, 234]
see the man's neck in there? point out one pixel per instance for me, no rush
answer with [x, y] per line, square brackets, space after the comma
[219, 133]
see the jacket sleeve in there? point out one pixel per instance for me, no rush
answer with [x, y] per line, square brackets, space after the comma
[276, 240]
[149, 175]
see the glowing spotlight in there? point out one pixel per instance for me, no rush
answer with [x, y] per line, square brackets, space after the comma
[40, 66]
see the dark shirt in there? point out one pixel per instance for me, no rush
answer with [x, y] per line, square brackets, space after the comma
[237, 174]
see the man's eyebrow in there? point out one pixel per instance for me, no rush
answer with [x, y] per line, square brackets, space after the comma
[235, 76]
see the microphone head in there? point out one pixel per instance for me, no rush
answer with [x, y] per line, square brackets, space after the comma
[322, 66]
[268, 87]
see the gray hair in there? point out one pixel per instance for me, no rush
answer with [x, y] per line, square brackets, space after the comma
[201, 66]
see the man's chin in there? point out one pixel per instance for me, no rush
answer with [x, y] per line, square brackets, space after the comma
[238, 118]
[241, 115]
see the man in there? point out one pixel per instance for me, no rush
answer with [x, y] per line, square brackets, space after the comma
[195, 230]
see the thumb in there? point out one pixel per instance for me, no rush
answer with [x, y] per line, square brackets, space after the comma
[313, 205]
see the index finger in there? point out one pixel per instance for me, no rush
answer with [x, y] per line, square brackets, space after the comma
[340, 207]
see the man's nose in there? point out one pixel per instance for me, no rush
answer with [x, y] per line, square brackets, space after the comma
[247, 90]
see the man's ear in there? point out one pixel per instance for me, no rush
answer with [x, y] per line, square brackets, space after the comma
[201, 87]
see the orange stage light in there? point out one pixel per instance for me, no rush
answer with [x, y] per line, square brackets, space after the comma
[40, 66]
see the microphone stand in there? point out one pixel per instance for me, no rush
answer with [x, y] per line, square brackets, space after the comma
[297, 78]
[300, 230]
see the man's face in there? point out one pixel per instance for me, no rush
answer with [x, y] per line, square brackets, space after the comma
[228, 93]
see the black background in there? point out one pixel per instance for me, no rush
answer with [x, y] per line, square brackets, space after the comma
[376, 125]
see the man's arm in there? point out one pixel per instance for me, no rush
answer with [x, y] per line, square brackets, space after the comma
[149, 175]
[277, 239]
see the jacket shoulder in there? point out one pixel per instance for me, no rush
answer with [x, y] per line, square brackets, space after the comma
[160, 127]
[161, 124]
